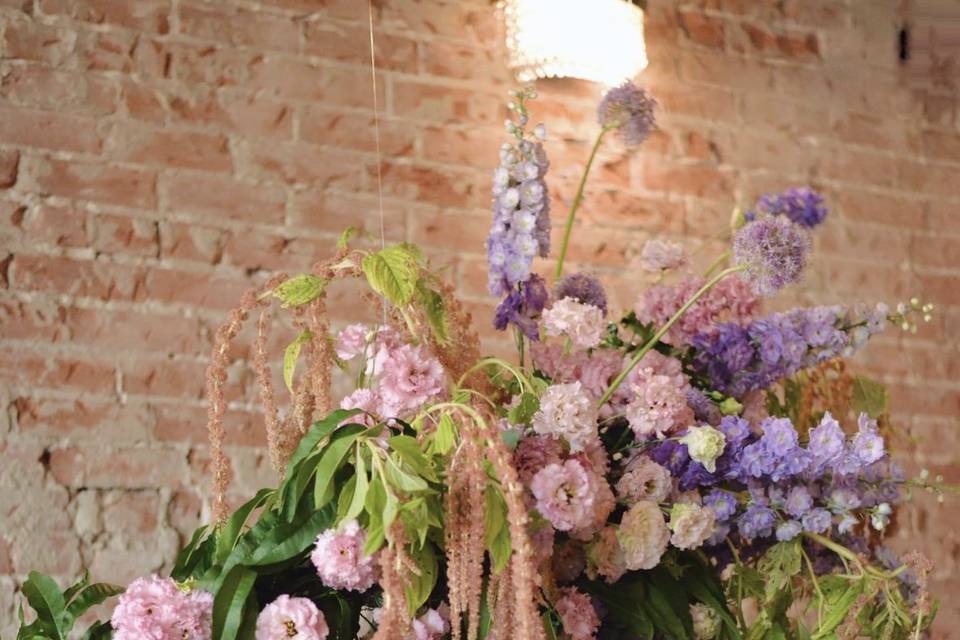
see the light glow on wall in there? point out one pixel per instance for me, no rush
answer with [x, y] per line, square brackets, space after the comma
[599, 40]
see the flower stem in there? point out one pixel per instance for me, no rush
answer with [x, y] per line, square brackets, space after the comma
[577, 199]
[716, 263]
[663, 330]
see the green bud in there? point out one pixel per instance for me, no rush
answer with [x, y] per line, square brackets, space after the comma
[730, 407]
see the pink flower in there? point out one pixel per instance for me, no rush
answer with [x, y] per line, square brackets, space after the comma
[411, 378]
[605, 556]
[353, 340]
[533, 453]
[644, 479]
[338, 557]
[643, 535]
[579, 618]
[692, 524]
[604, 503]
[582, 323]
[658, 255]
[296, 618]
[565, 494]
[365, 400]
[154, 608]
[593, 370]
[567, 411]
[659, 407]
[432, 625]
[730, 300]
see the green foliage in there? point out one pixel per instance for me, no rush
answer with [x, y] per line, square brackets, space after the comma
[57, 612]
[343, 242]
[299, 290]
[290, 356]
[778, 567]
[393, 272]
[433, 308]
[524, 409]
[869, 396]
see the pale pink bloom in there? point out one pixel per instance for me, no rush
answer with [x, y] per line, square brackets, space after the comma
[353, 340]
[595, 455]
[604, 503]
[533, 453]
[643, 535]
[154, 608]
[593, 370]
[364, 399]
[658, 255]
[582, 323]
[577, 614]
[338, 557]
[659, 407]
[411, 377]
[289, 618]
[567, 411]
[692, 524]
[644, 479]
[565, 494]
[432, 625]
[605, 556]
[386, 342]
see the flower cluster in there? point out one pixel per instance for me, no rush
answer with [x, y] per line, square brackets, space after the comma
[339, 559]
[773, 253]
[287, 617]
[157, 608]
[802, 205]
[628, 109]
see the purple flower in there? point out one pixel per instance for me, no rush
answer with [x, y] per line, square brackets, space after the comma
[629, 109]
[868, 443]
[843, 500]
[816, 521]
[779, 436]
[756, 461]
[704, 409]
[522, 307]
[735, 429]
[798, 501]
[788, 530]
[773, 251]
[756, 522]
[826, 440]
[723, 503]
[582, 288]
[802, 205]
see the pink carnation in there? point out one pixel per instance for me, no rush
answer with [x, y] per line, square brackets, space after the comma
[579, 618]
[287, 618]
[659, 407]
[644, 479]
[582, 323]
[658, 255]
[364, 399]
[565, 494]
[352, 341]
[338, 557]
[593, 370]
[730, 300]
[432, 625]
[605, 556]
[567, 411]
[154, 608]
[533, 453]
[411, 378]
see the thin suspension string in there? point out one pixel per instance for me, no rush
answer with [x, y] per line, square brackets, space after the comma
[376, 131]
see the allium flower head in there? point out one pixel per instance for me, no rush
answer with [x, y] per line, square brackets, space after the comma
[289, 618]
[522, 307]
[565, 494]
[658, 255]
[577, 615]
[339, 560]
[628, 109]
[802, 205]
[773, 251]
[704, 444]
[691, 524]
[154, 608]
[644, 536]
[582, 323]
[583, 288]
[567, 411]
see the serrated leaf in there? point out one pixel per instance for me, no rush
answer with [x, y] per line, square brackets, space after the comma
[299, 290]
[443, 439]
[778, 566]
[408, 449]
[869, 396]
[290, 356]
[344, 240]
[392, 272]
[91, 596]
[434, 310]
[401, 480]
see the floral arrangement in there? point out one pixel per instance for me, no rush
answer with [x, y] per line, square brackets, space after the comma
[692, 469]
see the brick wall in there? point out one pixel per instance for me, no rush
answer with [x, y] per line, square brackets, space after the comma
[158, 155]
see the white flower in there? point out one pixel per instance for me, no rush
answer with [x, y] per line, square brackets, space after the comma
[705, 444]
[643, 536]
[692, 524]
[582, 323]
[566, 410]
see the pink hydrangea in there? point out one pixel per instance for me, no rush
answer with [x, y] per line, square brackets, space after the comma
[644, 479]
[605, 556]
[582, 323]
[643, 535]
[593, 370]
[533, 453]
[730, 300]
[565, 494]
[577, 614]
[567, 411]
[658, 407]
[432, 625]
[658, 255]
[338, 557]
[411, 378]
[692, 525]
[289, 618]
[155, 608]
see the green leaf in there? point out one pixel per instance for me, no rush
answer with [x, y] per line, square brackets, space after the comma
[869, 396]
[401, 480]
[75, 589]
[443, 439]
[375, 505]
[838, 606]
[290, 356]
[392, 272]
[227, 536]
[291, 539]
[434, 310]
[522, 412]
[496, 531]
[622, 602]
[344, 240]
[779, 565]
[44, 596]
[197, 556]
[360, 492]
[331, 459]
[299, 290]
[99, 631]
[318, 432]
[346, 497]
[91, 596]
[229, 602]
[409, 451]
[419, 588]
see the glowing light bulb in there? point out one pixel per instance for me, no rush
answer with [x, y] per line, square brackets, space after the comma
[599, 40]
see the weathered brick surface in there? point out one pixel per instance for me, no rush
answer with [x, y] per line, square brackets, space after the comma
[156, 156]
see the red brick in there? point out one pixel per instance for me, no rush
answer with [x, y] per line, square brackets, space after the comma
[448, 187]
[301, 164]
[334, 212]
[293, 79]
[234, 111]
[9, 164]
[222, 197]
[235, 26]
[187, 424]
[147, 15]
[454, 60]
[440, 104]
[191, 242]
[26, 39]
[143, 331]
[98, 279]
[81, 418]
[93, 181]
[143, 103]
[334, 127]
[702, 28]
[127, 467]
[49, 130]
[112, 234]
[688, 179]
[169, 148]
[67, 92]
[195, 288]
[61, 226]
[345, 43]
[57, 372]
[276, 252]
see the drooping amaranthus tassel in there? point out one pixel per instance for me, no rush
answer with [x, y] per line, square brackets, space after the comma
[395, 619]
